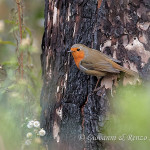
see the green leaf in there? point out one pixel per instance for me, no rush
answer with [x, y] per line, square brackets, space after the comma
[7, 43]
[10, 63]
[10, 22]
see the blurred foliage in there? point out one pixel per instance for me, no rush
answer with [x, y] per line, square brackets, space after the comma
[129, 119]
[19, 98]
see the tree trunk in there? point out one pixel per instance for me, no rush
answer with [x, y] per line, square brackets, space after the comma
[72, 114]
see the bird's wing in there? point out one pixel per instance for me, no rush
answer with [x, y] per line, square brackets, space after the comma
[109, 57]
[98, 62]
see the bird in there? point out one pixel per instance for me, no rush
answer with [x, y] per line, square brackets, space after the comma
[96, 63]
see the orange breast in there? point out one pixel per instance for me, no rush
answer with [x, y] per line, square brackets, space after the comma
[77, 61]
[78, 56]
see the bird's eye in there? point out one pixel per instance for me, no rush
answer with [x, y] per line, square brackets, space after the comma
[78, 49]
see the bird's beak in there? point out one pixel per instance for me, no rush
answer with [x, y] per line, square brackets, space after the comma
[69, 51]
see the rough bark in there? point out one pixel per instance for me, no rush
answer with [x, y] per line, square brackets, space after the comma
[70, 108]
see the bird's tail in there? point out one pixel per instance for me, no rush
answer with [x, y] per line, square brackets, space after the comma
[128, 72]
[132, 77]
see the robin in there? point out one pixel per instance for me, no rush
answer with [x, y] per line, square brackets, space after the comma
[96, 63]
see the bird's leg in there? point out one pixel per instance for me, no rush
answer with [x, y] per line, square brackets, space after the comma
[96, 84]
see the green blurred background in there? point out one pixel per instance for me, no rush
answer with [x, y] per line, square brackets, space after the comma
[129, 118]
[20, 98]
